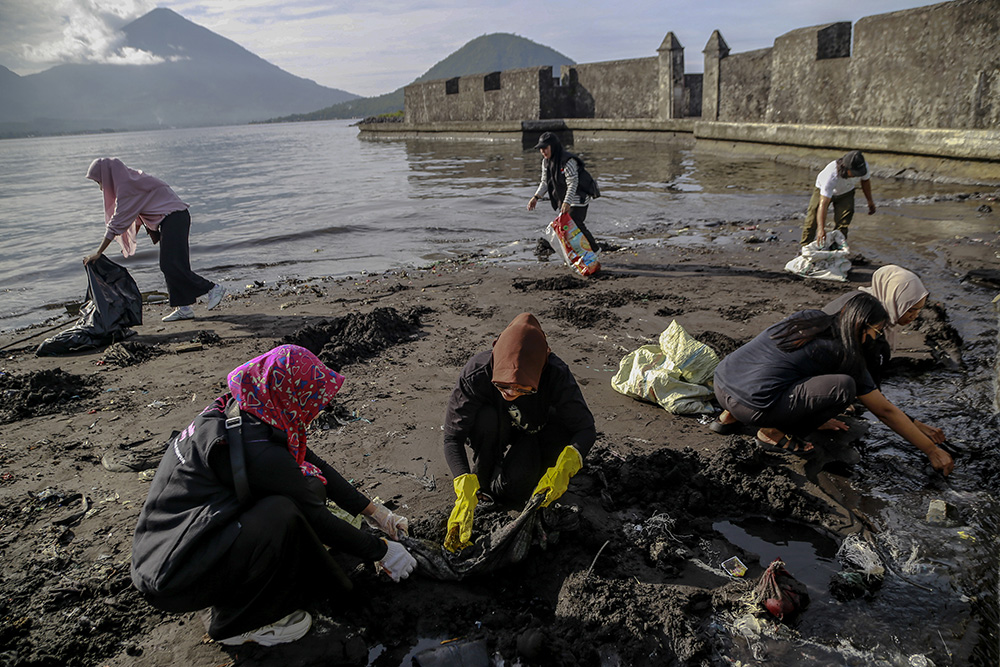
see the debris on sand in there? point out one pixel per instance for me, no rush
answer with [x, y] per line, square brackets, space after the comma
[41, 393]
[358, 336]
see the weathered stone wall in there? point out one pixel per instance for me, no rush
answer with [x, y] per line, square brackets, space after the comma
[745, 84]
[936, 66]
[930, 67]
[615, 89]
[805, 87]
[499, 96]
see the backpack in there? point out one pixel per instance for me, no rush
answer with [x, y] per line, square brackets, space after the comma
[588, 184]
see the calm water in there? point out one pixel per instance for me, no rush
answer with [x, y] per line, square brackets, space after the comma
[311, 199]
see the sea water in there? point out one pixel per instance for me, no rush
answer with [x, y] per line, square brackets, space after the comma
[314, 199]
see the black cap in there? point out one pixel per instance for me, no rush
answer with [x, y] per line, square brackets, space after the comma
[855, 161]
[547, 139]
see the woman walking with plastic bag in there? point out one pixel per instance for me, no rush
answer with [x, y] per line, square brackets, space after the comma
[133, 199]
[569, 186]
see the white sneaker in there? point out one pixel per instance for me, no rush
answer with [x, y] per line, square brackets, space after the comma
[182, 313]
[290, 628]
[215, 296]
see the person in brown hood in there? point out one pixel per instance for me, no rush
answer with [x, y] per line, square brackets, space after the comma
[521, 412]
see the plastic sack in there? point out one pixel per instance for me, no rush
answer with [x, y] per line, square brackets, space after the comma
[827, 262]
[676, 374]
[506, 545]
[114, 303]
[572, 245]
[780, 593]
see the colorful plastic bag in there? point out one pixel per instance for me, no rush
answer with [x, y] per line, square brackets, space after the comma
[572, 245]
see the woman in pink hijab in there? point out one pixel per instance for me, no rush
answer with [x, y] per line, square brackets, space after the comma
[132, 200]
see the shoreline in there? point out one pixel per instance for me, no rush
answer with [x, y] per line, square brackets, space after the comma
[725, 290]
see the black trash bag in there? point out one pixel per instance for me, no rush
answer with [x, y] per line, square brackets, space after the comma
[505, 546]
[114, 303]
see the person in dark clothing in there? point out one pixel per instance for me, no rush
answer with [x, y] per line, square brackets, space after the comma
[799, 374]
[521, 412]
[256, 560]
[903, 296]
[570, 188]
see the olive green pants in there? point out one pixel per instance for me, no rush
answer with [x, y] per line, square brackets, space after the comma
[843, 212]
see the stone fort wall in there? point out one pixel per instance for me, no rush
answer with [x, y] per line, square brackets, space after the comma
[930, 67]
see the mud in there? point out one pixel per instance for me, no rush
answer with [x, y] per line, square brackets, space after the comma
[637, 581]
[355, 337]
[41, 393]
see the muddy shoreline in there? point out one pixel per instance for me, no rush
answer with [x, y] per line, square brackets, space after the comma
[638, 582]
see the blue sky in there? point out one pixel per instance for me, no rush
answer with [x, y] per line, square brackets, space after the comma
[373, 48]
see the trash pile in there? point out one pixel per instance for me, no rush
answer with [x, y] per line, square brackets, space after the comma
[113, 304]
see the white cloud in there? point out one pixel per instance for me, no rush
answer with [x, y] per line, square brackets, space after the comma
[373, 48]
[74, 31]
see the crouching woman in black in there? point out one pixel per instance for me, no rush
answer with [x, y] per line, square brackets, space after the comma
[799, 374]
[252, 545]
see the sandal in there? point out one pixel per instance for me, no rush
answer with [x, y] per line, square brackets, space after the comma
[725, 429]
[792, 444]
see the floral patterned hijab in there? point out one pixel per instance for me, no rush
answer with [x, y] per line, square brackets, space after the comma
[286, 388]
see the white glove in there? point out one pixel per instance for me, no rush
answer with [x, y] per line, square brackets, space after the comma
[389, 523]
[397, 562]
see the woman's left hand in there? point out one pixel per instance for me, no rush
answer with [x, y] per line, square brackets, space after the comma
[91, 258]
[935, 434]
[389, 523]
[565, 207]
[942, 461]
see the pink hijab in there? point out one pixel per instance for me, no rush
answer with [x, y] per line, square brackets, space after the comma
[131, 196]
[286, 388]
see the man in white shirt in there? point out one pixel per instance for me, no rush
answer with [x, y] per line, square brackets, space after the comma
[836, 183]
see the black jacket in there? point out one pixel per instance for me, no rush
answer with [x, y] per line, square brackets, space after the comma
[558, 394]
[555, 180]
[190, 518]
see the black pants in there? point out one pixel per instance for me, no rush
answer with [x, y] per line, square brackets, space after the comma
[803, 408]
[508, 461]
[579, 214]
[183, 285]
[275, 566]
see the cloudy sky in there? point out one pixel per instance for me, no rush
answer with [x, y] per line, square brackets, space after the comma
[369, 48]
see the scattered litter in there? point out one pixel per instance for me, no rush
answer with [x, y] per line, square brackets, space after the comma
[734, 566]
[937, 511]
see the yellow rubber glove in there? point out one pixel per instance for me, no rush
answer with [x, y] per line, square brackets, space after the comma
[556, 478]
[460, 521]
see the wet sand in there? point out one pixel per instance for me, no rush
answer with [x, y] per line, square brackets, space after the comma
[620, 589]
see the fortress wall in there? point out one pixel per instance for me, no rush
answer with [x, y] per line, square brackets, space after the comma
[497, 96]
[744, 85]
[929, 67]
[615, 89]
[809, 76]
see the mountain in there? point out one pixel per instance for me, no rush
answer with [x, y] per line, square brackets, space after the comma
[206, 79]
[487, 53]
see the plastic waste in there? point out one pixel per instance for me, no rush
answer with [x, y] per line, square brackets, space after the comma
[676, 373]
[779, 592]
[829, 261]
[734, 566]
[113, 304]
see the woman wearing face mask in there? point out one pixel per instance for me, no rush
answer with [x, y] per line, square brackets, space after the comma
[522, 414]
[802, 372]
[903, 296]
